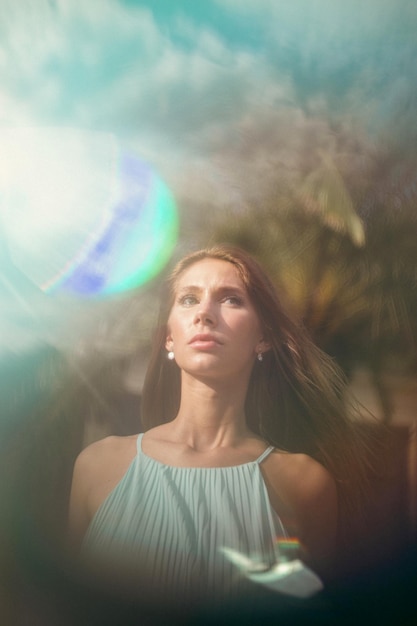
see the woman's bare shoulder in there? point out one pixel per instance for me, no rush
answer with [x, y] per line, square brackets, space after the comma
[105, 452]
[290, 465]
[98, 468]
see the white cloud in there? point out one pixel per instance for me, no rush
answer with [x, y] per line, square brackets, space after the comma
[185, 90]
[103, 64]
[76, 46]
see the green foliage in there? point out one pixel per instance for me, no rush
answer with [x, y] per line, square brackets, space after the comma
[345, 260]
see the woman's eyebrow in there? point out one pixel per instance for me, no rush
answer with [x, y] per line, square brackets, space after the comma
[190, 288]
[231, 289]
[218, 289]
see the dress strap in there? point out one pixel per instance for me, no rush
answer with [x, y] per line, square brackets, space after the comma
[139, 443]
[264, 454]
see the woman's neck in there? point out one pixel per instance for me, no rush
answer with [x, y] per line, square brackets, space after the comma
[210, 414]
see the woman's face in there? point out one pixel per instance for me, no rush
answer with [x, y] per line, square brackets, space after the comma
[213, 328]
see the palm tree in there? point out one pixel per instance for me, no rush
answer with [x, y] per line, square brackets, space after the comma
[345, 261]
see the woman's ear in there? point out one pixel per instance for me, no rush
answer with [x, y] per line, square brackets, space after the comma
[169, 344]
[263, 346]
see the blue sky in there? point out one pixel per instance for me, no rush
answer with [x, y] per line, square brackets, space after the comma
[217, 94]
[174, 67]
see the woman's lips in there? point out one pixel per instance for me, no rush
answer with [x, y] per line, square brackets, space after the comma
[203, 341]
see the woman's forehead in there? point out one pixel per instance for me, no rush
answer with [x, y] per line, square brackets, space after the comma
[215, 272]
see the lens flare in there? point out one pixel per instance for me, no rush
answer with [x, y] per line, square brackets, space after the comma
[83, 215]
[133, 241]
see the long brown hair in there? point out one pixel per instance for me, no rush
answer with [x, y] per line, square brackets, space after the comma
[296, 398]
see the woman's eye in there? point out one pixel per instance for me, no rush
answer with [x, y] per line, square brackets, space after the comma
[187, 300]
[235, 300]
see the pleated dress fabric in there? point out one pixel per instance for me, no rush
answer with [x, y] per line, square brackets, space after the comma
[166, 526]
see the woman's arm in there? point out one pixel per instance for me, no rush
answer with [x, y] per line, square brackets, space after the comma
[308, 493]
[78, 515]
[97, 470]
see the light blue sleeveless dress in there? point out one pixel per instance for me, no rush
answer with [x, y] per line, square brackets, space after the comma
[167, 525]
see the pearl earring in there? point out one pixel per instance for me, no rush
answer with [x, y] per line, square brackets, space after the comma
[170, 355]
[260, 356]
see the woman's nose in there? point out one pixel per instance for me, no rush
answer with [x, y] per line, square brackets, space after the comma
[205, 315]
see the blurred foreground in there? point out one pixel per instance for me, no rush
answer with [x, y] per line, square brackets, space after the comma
[40, 587]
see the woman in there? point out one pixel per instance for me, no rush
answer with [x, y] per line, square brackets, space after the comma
[245, 440]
